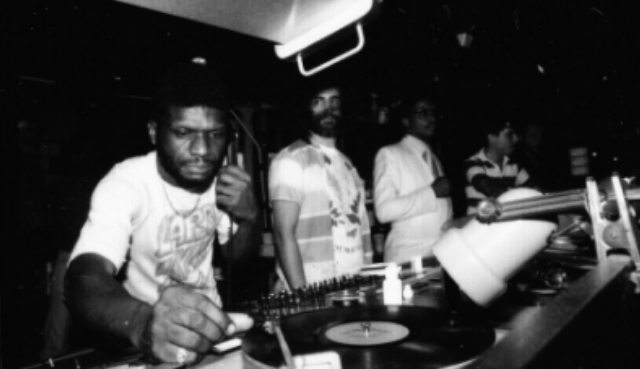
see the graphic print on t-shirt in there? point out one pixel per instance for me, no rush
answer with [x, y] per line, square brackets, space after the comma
[344, 202]
[184, 244]
[344, 206]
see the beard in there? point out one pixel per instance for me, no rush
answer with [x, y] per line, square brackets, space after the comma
[174, 170]
[325, 124]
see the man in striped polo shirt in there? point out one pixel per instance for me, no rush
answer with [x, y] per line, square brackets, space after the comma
[321, 229]
[491, 172]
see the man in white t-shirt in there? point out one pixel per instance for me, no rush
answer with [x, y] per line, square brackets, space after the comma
[158, 214]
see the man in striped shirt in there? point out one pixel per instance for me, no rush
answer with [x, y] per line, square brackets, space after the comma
[491, 172]
[321, 228]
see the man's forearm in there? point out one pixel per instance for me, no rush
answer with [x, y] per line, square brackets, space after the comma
[391, 208]
[491, 187]
[291, 263]
[104, 305]
[285, 222]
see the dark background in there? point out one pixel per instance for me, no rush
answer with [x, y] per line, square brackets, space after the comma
[76, 76]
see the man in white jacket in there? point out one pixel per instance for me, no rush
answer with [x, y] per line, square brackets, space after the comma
[410, 189]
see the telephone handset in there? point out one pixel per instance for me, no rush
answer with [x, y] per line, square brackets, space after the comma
[232, 149]
[231, 159]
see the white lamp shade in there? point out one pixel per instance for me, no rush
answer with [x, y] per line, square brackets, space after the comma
[481, 258]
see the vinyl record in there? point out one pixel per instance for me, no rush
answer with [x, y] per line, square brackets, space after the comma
[375, 337]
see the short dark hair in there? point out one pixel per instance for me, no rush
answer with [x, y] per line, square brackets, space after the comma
[494, 123]
[187, 85]
[411, 100]
[314, 86]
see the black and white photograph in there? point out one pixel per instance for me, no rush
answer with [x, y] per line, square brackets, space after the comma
[303, 184]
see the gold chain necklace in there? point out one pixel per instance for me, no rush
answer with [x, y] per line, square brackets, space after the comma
[182, 213]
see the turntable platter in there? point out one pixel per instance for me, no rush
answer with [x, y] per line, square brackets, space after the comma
[398, 337]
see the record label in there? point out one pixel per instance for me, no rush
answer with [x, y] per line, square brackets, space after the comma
[367, 333]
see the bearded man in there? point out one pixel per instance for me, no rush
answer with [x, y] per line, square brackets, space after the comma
[321, 228]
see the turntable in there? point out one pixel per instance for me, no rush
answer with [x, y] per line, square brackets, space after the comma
[372, 337]
[590, 323]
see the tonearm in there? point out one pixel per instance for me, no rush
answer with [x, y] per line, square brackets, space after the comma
[606, 209]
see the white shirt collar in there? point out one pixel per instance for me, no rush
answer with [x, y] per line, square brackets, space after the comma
[318, 140]
[415, 144]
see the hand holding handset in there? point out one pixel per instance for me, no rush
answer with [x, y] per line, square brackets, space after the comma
[234, 189]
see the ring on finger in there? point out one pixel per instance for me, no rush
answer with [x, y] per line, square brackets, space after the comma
[181, 355]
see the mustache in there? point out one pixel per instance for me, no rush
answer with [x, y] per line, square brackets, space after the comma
[200, 161]
[332, 113]
[328, 114]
